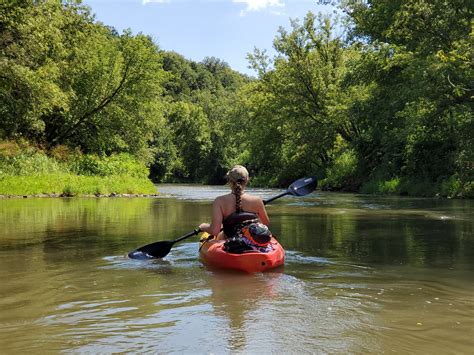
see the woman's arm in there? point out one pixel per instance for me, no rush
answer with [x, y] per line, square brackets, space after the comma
[262, 213]
[216, 223]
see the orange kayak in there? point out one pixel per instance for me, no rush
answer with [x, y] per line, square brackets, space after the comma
[212, 254]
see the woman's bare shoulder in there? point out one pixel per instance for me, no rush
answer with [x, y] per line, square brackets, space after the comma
[222, 199]
[254, 199]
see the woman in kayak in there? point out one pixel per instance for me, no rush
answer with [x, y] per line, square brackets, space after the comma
[246, 244]
[237, 208]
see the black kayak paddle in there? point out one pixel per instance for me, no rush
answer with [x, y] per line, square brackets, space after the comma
[300, 187]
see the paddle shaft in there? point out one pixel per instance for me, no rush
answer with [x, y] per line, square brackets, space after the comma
[190, 234]
[275, 197]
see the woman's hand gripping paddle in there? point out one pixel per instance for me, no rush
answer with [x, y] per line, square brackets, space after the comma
[300, 187]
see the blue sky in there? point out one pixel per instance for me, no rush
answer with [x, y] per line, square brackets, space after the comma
[226, 29]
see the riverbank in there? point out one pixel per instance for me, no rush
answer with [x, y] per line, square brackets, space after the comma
[69, 185]
[27, 170]
[85, 196]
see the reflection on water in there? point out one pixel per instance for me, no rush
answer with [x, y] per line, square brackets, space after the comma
[363, 274]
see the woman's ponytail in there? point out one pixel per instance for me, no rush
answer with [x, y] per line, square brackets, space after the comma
[238, 197]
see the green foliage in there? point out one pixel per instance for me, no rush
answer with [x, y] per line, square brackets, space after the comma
[451, 187]
[380, 102]
[29, 163]
[71, 185]
[385, 187]
[203, 121]
[117, 164]
[342, 172]
[26, 160]
[69, 80]
[299, 107]
[420, 25]
[27, 170]
[415, 122]
[396, 93]
[29, 160]
[192, 138]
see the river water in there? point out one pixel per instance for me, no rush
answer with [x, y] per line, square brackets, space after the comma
[363, 274]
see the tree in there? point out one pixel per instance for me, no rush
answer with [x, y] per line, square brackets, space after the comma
[69, 80]
[201, 102]
[303, 91]
[191, 137]
[419, 114]
[32, 52]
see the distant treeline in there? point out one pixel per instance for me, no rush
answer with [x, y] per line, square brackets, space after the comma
[378, 100]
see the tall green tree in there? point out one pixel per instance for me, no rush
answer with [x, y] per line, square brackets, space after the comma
[69, 80]
[32, 51]
[306, 109]
[419, 114]
[201, 102]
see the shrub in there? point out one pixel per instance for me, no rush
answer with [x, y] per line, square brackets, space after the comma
[28, 162]
[9, 149]
[27, 170]
[384, 187]
[72, 185]
[117, 164]
[341, 173]
[389, 186]
[63, 153]
[68, 191]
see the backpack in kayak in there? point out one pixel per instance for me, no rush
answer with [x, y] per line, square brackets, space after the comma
[254, 236]
[233, 224]
[257, 233]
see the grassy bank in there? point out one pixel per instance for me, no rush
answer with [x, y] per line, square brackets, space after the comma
[74, 185]
[29, 170]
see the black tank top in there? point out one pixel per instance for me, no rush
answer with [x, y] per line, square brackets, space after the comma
[234, 222]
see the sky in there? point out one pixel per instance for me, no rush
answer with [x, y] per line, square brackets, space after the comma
[225, 29]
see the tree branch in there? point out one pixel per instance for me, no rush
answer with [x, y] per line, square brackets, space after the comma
[105, 101]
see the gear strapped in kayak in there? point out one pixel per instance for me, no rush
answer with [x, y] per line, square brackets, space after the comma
[244, 233]
[213, 254]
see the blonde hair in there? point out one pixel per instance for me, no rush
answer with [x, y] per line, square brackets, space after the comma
[238, 178]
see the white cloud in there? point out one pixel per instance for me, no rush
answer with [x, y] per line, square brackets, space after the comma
[158, 1]
[258, 5]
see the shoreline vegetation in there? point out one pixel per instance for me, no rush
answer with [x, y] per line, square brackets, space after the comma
[378, 101]
[112, 195]
[26, 170]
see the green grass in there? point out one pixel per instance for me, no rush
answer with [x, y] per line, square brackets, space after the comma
[29, 170]
[73, 185]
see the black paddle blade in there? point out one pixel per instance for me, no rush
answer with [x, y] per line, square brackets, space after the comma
[304, 186]
[152, 251]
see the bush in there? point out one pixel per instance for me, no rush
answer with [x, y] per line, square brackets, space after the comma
[118, 164]
[454, 187]
[28, 162]
[341, 174]
[384, 187]
[9, 149]
[27, 170]
[72, 185]
[63, 153]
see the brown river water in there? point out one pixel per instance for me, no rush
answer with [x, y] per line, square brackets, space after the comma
[363, 274]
